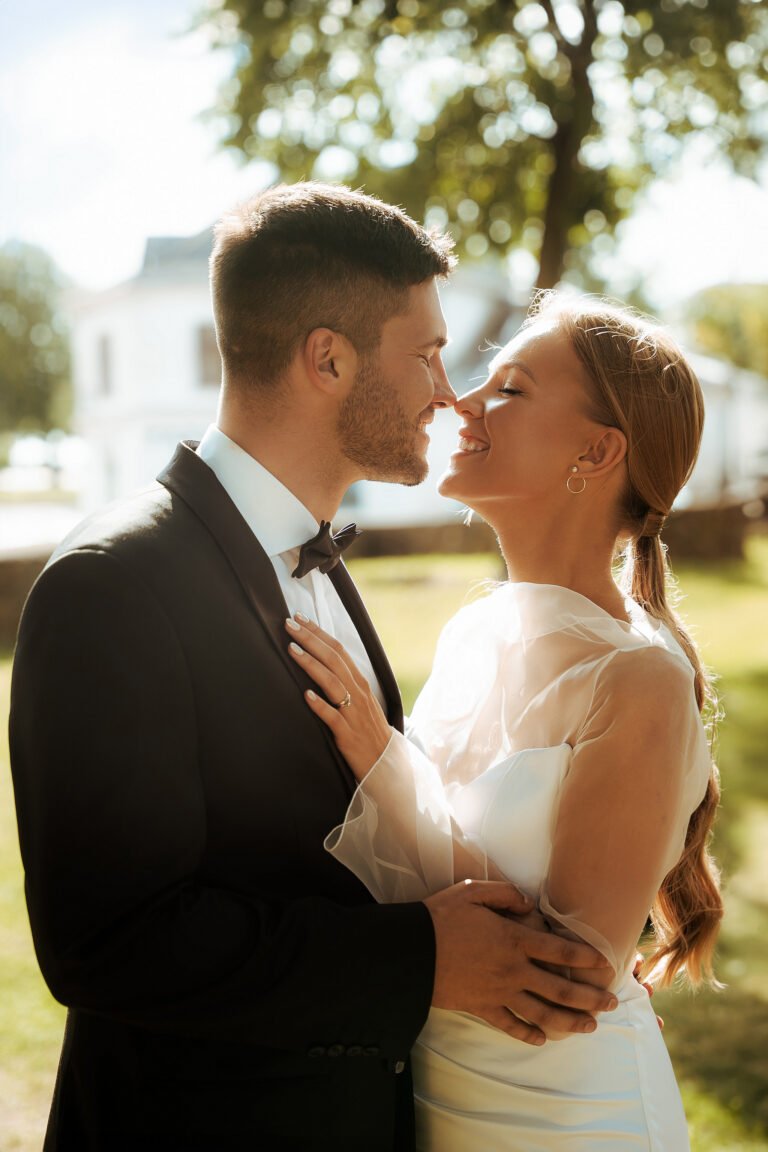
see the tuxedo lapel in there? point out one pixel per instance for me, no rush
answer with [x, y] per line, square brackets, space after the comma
[191, 480]
[352, 601]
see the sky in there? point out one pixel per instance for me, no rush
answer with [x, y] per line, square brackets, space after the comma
[103, 143]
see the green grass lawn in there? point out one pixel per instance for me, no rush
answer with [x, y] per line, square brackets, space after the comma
[31, 1022]
[718, 1041]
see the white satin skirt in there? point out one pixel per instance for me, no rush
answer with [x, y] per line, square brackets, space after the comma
[478, 1090]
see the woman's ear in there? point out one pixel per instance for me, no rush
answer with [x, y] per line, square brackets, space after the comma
[330, 361]
[604, 453]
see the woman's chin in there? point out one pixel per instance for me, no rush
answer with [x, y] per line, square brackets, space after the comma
[450, 485]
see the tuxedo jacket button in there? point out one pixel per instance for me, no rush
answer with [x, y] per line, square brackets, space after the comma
[354, 1050]
[316, 1051]
[336, 1050]
[372, 1050]
[399, 1067]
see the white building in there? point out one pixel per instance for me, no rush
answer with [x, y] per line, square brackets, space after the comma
[145, 367]
[146, 375]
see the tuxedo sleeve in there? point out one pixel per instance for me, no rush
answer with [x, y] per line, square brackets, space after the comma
[112, 821]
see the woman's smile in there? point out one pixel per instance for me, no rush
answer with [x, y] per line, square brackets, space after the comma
[469, 443]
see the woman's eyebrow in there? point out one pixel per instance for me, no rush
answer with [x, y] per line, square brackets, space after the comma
[515, 363]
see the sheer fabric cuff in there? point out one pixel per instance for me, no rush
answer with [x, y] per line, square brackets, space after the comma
[575, 929]
[398, 836]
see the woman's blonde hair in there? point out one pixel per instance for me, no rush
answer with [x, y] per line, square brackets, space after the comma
[640, 382]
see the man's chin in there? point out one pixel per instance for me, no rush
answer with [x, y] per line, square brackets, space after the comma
[409, 474]
[412, 477]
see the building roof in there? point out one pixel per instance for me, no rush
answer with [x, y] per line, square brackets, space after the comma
[166, 254]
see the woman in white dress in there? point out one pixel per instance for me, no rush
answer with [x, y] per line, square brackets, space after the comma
[559, 741]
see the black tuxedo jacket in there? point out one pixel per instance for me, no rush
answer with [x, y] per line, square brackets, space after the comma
[229, 984]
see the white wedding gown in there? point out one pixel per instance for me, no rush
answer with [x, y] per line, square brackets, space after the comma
[565, 746]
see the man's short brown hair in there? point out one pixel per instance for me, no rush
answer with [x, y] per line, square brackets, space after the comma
[304, 256]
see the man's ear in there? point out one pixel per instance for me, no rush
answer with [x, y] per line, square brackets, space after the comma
[604, 453]
[330, 361]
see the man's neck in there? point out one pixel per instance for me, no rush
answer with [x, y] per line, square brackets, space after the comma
[294, 460]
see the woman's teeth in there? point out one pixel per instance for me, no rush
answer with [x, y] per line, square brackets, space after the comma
[471, 445]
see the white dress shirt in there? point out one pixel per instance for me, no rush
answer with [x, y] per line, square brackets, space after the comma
[281, 524]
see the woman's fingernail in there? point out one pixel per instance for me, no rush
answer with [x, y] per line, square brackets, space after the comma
[292, 625]
[295, 649]
[311, 695]
[301, 617]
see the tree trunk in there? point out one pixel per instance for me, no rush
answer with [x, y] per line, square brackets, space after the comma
[556, 214]
[572, 126]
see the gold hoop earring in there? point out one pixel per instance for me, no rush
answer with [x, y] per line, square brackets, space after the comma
[575, 491]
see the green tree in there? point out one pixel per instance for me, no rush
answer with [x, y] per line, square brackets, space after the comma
[731, 321]
[518, 124]
[35, 390]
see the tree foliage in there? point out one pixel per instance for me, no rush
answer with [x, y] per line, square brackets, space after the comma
[731, 321]
[518, 124]
[34, 350]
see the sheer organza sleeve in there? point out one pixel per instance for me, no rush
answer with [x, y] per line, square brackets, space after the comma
[400, 836]
[639, 769]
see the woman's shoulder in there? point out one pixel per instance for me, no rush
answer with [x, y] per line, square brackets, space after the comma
[647, 680]
[645, 699]
[648, 668]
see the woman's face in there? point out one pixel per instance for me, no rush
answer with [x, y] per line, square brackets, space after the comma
[525, 428]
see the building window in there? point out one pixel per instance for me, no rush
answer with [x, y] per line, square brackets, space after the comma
[208, 359]
[104, 366]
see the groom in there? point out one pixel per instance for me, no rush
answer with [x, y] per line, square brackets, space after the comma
[230, 986]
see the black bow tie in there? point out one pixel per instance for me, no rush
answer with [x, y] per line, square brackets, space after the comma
[324, 551]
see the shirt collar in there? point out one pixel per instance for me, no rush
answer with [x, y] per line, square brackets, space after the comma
[277, 518]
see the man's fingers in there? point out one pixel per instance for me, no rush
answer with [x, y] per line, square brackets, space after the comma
[499, 896]
[570, 993]
[506, 1021]
[555, 949]
[550, 1018]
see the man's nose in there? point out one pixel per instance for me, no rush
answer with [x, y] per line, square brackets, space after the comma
[444, 396]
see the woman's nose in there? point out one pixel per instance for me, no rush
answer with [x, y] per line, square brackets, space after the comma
[470, 404]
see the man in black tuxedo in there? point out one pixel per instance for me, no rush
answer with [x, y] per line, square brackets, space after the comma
[230, 986]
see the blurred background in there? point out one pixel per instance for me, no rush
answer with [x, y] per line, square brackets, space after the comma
[616, 146]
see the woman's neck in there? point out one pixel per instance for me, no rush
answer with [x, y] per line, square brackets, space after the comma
[565, 556]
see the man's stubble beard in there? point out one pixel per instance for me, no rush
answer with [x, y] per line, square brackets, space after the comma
[376, 434]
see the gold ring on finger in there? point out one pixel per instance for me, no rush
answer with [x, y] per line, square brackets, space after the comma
[345, 703]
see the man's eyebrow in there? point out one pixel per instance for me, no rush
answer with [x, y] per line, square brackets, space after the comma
[438, 342]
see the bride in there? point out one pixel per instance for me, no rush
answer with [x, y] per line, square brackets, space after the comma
[559, 740]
